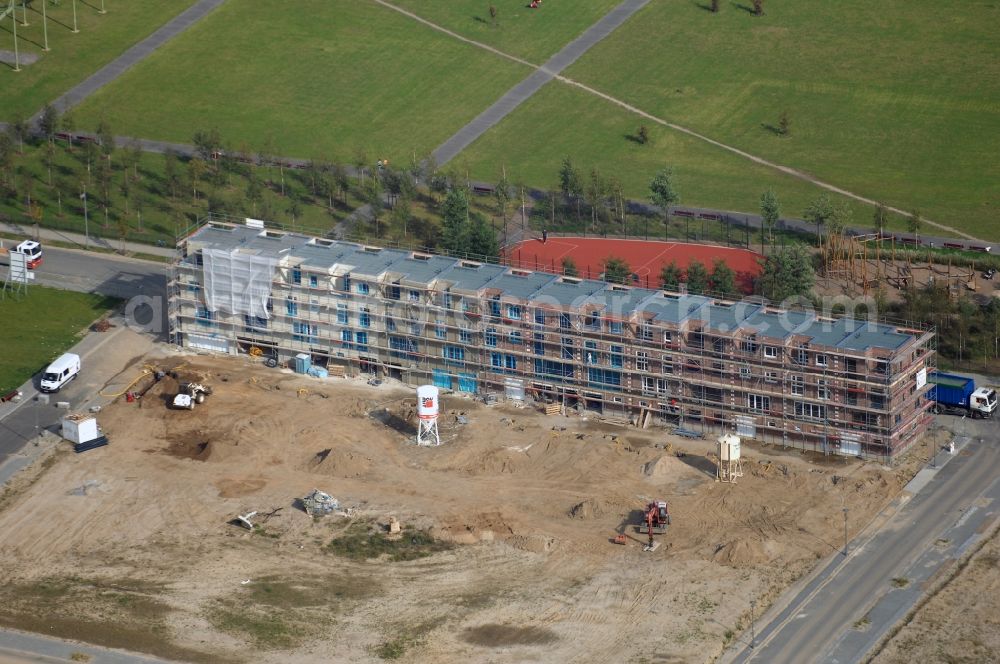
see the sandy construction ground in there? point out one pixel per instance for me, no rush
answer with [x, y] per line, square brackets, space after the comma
[129, 545]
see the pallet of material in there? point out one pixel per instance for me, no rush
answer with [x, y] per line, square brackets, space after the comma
[336, 370]
[553, 408]
[91, 444]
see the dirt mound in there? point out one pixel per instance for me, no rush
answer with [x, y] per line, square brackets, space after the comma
[197, 447]
[234, 488]
[665, 467]
[740, 553]
[594, 508]
[339, 462]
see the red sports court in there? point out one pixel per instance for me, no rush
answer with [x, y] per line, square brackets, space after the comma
[645, 257]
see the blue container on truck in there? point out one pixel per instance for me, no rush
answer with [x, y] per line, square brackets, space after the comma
[959, 395]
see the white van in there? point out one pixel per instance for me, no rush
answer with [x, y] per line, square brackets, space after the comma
[32, 252]
[60, 372]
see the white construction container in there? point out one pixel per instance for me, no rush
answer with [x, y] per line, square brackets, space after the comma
[729, 447]
[78, 428]
[427, 402]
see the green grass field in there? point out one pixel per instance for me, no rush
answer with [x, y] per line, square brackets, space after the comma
[531, 34]
[73, 57]
[40, 326]
[597, 134]
[321, 79]
[898, 100]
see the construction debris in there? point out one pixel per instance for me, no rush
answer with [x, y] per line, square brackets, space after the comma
[319, 503]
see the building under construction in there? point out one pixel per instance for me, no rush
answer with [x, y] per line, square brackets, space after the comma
[702, 364]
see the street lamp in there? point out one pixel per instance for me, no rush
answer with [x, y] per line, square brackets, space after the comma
[45, 26]
[845, 531]
[103, 11]
[86, 220]
[75, 29]
[753, 630]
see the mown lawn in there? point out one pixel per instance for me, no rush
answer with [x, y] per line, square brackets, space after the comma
[72, 57]
[312, 79]
[597, 134]
[40, 326]
[531, 34]
[897, 100]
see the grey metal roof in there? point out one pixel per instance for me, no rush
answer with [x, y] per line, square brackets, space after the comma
[550, 290]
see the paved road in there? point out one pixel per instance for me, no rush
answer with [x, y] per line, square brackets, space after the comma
[529, 86]
[132, 56]
[927, 534]
[23, 647]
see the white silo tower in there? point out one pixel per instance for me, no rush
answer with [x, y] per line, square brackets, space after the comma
[730, 464]
[427, 415]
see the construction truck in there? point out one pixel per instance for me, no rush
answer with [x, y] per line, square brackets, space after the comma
[958, 395]
[655, 520]
[190, 394]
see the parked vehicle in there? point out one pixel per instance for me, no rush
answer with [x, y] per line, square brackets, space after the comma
[32, 251]
[958, 395]
[64, 369]
[990, 273]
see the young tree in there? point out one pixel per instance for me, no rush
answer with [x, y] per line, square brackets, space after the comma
[914, 223]
[207, 143]
[819, 212]
[18, 129]
[770, 212]
[715, 6]
[294, 210]
[501, 193]
[50, 158]
[402, 212]
[617, 270]
[342, 181]
[570, 183]
[787, 273]
[106, 139]
[663, 193]
[596, 193]
[49, 122]
[455, 222]
[360, 164]
[68, 124]
[483, 240]
[438, 185]
[643, 134]
[841, 218]
[881, 217]
[375, 198]
[254, 191]
[784, 124]
[196, 171]
[670, 277]
[723, 279]
[134, 152]
[697, 278]
[493, 15]
[171, 172]
[758, 7]
[569, 267]
[6, 159]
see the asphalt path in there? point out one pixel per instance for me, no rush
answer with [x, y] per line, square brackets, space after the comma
[929, 532]
[534, 82]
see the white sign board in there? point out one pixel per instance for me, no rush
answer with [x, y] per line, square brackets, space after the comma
[254, 223]
[921, 378]
[19, 272]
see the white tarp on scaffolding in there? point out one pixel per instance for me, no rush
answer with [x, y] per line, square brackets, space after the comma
[238, 283]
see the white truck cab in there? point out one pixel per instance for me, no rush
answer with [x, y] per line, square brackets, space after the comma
[32, 252]
[65, 368]
[984, 401]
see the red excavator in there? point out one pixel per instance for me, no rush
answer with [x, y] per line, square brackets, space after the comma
[655, 520]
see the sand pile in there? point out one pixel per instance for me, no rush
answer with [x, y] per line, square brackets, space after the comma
[744, 552]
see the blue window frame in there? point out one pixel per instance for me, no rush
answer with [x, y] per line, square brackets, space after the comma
[440, 331]
[414, 296]
[347, 283]
[346, 338]
[304, 332]
[390, 324]
[365, 319]
[514, 337]
[416, 329]
[503, 362]
[456, 353]
[343, 318]
[394, 292]
[495, 306]
[513, 312]
[567, 348]
[362, 339]
[254, 323]
[292, 307]
[447, 300]
[403, 347]
[296, 275]
[362, 288]
[604, 377]
[553, 370]
[313, 280]
[490, 337]
[564, 321]
[539, 343]
[540, 316]
[465, 336]
[615, 327]
[617, 356]
[592, 322]
[204, 316]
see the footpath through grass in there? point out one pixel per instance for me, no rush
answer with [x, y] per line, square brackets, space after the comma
[40, 326]
[531, 34]
[309, 79]
[72, 57]
[896, 100]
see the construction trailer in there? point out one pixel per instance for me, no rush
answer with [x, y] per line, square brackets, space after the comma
[832, 385]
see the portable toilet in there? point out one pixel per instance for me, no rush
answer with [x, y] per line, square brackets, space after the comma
[302, 363]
